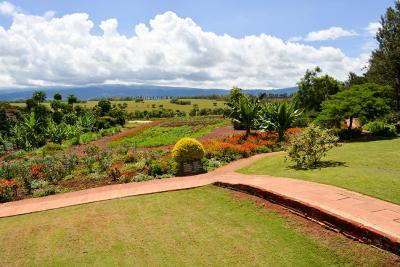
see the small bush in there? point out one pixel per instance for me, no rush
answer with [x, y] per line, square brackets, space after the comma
[114, 172]
[308, 147]
[8, 190]
[142, 177]
[46, 191]
[156, 169]
[381, 129]
[188, 150]
[124, 179]
[51, 149]
[105, 160]
[130, 157]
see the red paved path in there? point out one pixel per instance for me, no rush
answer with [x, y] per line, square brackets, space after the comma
[367, 212]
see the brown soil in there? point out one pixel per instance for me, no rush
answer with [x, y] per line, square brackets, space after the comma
[325, 234]
[220, 132]
[84, 183]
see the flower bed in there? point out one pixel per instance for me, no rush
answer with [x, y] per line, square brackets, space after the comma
[224, 150]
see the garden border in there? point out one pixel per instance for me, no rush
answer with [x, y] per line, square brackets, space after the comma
[344, 225]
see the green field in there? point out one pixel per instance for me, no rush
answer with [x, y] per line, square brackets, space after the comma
[371, 168]
[206, 226]
[161, 135]
[148, 104]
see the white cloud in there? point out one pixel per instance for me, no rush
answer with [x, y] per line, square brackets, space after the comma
[329, 34]
[49, 50]
[7, 8]
[372, 28]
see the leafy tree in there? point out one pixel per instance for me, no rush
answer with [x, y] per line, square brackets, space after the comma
[105, 106]
[234, 96]
[39, 96]
[280, 116]
[30, 104]
[119, 115]
[245, 113]
[72, 99]
[384, 64]
[57, 96]
[57, 105]
[9, 116]
[354, 79]
[314, 89]
[366, 102]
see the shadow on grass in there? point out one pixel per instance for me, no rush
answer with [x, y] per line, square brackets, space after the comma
[321, 165]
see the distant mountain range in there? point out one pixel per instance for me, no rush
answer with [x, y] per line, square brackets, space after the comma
[100, 91]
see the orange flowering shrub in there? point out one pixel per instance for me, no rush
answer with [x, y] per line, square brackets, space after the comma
[237, 146]
[37, 171]
[8, 190]
[114, 171]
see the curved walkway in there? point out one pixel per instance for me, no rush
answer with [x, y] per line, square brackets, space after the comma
[368, 218]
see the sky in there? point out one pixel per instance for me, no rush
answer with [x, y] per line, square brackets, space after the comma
[207, 44]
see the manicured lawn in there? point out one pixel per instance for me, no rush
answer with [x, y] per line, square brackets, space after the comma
[371, 168]
[204, 226]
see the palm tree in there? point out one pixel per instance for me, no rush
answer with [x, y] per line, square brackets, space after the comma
[279, 116]
[245, 112]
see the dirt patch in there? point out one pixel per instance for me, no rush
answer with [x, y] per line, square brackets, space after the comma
[220, 132]
[80, 183]
[324, 234]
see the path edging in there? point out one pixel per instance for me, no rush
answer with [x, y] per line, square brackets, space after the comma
[362, 232]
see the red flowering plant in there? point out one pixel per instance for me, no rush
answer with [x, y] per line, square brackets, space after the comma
[8, 190]
[114, 171]
[37, 171]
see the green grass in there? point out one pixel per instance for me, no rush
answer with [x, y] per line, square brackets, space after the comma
[160, 135]
[199, 227]
[370, 168]
[147, 104]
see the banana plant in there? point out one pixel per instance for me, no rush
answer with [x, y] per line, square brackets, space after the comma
[279, 116]
[246, 113]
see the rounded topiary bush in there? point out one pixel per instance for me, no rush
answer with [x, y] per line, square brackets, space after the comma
[188, 150]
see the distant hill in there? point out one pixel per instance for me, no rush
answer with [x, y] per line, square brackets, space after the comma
[99, 91]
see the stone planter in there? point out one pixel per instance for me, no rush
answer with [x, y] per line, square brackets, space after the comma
[191, 168]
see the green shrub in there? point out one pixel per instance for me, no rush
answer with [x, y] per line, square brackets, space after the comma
[104, 160]
[308, 147]
[188, 150]
[380, 128]
[156, 169]
[46, 191]
[53, 169]
[124, 179]
[51, 149]
[142, 177]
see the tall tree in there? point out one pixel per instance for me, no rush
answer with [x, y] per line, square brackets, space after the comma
[366, 102]
[384, 64]
[72, 99]
[314, 89]
[354, 79]
[39, 96]
[57, 96]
